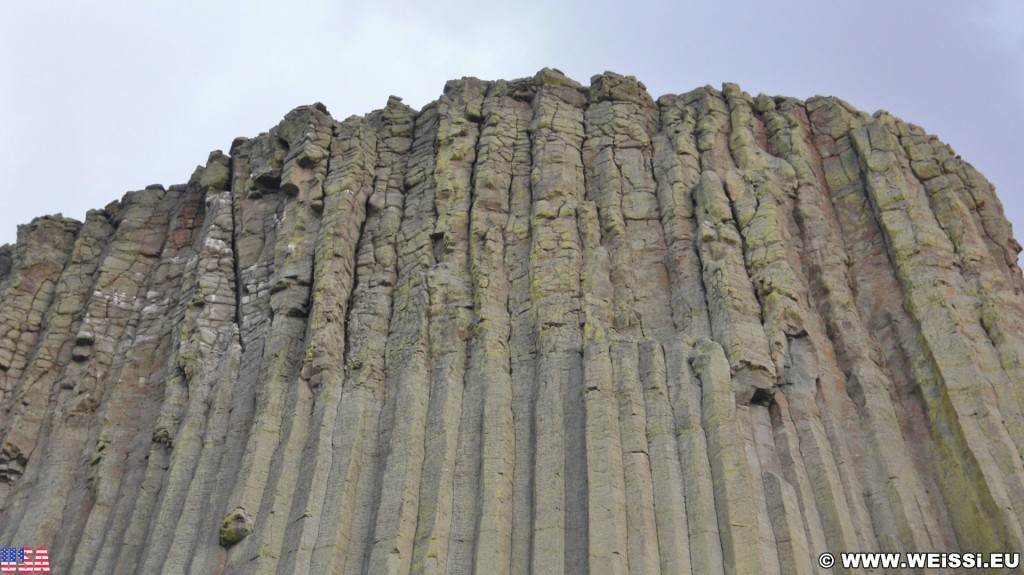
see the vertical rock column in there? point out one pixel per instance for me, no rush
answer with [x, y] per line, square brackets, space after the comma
[900, 509]
[522, 343]
[262, 498]
[620, 119]
[407, 388]
[6, 253]
[625, 232]
[874, 290]
[43, 247]
[450, 317]
[560, 541]
[85, 427]
[259, 205]
[669, 505]
[990, 517]
[760, 190]
[201, 378]
[484, 508]
[344, 522]
[347, 189]
[685, 393]
[676, 165]
[735, 503]
[187, 340]
[642, 530]
[24, 393]
[971, 217]
[677, 172]
[735, 312]
[164, 312]
[606, 487]
[733, 308]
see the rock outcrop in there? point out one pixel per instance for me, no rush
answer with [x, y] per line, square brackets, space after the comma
[533, 327]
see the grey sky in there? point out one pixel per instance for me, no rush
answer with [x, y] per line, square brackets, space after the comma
[100, 98]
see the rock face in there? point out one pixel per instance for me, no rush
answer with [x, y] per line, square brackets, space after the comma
[532, 328]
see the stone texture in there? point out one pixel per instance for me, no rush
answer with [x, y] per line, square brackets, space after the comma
[534, 327]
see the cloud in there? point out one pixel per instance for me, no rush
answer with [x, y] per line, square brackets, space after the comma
[101, 99]
[1005, 19]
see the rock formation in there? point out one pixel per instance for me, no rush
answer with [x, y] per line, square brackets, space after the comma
[534, 327]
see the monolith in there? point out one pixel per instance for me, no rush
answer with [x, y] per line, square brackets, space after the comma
[534, 327]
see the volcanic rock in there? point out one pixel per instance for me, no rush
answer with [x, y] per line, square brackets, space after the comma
[534, 327]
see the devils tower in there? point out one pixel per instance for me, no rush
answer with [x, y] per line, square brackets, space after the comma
[534, 327]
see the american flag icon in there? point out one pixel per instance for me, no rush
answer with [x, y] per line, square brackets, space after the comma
[24, 560]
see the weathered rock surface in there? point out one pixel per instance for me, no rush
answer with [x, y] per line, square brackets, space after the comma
[534, 327]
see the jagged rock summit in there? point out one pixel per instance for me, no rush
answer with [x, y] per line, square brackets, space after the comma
[535, 327]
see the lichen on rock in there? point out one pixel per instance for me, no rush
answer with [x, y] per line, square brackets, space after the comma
[237, 525]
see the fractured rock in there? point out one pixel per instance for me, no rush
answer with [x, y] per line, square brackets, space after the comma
[534, 327]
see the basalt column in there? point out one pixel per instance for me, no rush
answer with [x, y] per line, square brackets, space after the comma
[533, 327]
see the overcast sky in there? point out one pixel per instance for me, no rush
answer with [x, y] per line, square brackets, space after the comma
[98, 98]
